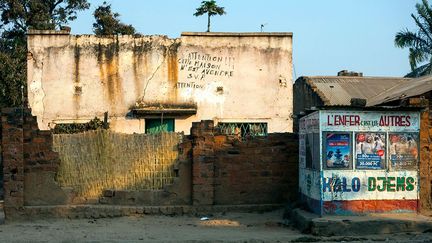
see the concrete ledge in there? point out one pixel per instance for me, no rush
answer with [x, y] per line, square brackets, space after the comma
[109, 211]
[48, 32]
[359, 225]
[302, 220]
[237, 34]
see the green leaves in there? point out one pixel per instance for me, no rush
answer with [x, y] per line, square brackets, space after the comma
[17, 16]
[210, 8]
[13, 66]
[39, 14]
[107, 22]
[419, 42]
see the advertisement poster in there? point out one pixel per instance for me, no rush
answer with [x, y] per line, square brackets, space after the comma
[403, 150]
[370, 150]
[338, 150]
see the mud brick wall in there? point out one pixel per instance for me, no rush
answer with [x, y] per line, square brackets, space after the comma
[202, 136]
[425, 159]
[425, 166]
[13, 160]
[31, 167]
[212, 169]
[29, 163]
[227, 170]
[257, 171]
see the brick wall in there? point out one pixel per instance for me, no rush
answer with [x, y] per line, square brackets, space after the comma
[212, 170]
[203, 162]
[227, 170]
[13, 160]
[425, 166]
[27, 153]
[257, 171]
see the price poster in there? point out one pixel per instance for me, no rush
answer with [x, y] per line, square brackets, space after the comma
[370, 150]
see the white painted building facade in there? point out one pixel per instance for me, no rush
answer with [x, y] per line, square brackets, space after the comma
[231, 78]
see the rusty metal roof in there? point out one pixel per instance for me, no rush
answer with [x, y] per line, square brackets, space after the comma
[338, 90]
[403, 90]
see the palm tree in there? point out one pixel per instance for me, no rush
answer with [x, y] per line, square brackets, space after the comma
[420, 42]
[211, 9]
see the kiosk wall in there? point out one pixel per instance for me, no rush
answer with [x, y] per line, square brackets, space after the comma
[358, 162]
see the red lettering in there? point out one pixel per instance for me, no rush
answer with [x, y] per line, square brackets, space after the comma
[357, 120]
[354, 120]
[402, 121]
[397, 121]
[343, 120]
[382, 121]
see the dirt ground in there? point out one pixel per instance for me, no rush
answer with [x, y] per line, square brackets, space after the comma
[232, 227]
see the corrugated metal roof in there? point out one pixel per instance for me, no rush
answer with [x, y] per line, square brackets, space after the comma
[403, 90]
[338, 90]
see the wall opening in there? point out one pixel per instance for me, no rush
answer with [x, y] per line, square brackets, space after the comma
[243, 129]
[158, 125]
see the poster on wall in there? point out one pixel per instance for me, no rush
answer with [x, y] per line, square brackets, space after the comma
[370, 150]
[337, 150]
[403, 150]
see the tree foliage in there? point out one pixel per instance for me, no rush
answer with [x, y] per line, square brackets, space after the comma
[13, 66]
[20, 15]
[108, 23]
[210, 8]
[419, 42]
[17, 17]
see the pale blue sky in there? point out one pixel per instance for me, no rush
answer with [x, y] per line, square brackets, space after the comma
[329, 35]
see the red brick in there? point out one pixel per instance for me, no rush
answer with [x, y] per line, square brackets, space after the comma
[38, 140]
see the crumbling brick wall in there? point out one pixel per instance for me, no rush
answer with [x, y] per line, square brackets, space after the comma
[214, 169]
[425, 166]
[203, 163]
[227, 170]
[27, 153]
[13, 160]
[257, 171]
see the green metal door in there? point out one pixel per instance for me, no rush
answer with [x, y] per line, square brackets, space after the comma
[159, 125]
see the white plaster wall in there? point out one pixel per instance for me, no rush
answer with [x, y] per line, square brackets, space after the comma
[75, 78]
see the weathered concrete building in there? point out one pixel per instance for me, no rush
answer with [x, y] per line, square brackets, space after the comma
[147, 83]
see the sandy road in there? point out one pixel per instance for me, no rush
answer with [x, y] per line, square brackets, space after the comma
[233, 227]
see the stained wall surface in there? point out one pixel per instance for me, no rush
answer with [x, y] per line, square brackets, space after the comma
[228, 77]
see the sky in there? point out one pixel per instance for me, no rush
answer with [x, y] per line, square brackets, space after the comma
[328, 36]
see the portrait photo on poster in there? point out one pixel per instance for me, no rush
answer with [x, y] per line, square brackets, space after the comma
[370, 150]
[403, 150]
